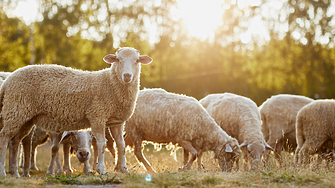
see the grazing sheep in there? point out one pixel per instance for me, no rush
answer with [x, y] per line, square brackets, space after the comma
[315, 129]
[278, 115]
[240, 118]
[79, 141]
[59, 98]
[163, 117]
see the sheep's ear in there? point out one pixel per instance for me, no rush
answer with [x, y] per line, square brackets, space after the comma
[110, 58]
[267, 146]
[65, 135]
[243, 145]
[144, 59]
[228, 148]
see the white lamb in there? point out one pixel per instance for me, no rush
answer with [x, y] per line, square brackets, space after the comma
[240, 118]
[79, 141]
[278, 115]
[59, 98]
[315, 127]
[163, 117]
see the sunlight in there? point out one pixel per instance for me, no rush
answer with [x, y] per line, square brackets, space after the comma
[201, 17]
[26, 11]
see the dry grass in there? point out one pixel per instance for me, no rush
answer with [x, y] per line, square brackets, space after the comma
[168, 175]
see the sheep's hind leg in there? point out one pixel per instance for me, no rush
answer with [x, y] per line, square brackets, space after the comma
[117, 133]
[139, 155]
[110, 142]
[27, 152]
[14, 148]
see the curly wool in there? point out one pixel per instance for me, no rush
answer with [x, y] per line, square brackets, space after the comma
[164, 117]
[315, 127]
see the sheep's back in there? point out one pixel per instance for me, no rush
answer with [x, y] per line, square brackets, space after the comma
[55, 95]
[166, 117]
[317, 119]
[279, 112]
[237, 115]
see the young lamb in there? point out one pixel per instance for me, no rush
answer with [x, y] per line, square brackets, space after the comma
[59, 98]
[278, 115]
[315, 129]
[79, 141]
[240, 118]
[163, 117]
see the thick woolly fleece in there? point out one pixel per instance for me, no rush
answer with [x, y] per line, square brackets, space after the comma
[164, 117]
[278, 115]
[58, 98]
[240, 118]
[315, 128]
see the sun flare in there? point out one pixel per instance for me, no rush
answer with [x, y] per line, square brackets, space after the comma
[201, 17]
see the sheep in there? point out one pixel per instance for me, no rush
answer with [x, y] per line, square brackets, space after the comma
[278, 115]
[315, 130]
[239, 117]
[58, 98]
[163, 117]
[79, 141]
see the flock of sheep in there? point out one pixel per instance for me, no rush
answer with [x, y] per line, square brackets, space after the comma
[41, 101]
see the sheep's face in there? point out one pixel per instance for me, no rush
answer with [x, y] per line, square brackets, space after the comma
[228, 155]
[127, 61]
[81, 142]
[254, 151]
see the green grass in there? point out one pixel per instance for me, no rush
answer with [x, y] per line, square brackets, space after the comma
[168, 176]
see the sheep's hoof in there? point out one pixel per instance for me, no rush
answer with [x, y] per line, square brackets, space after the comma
[34, 168]
[26, 175]
[103, 171]
[90, 173]
[67, 172]
[123, 169]
[184, 168]
[16, 175]
[3, 174]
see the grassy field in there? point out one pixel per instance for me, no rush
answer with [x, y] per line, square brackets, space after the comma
[168, 176]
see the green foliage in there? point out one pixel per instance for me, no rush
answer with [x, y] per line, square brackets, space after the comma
[64, 179]
[181, 63]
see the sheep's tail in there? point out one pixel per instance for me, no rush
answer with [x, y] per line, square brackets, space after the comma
[299, 133]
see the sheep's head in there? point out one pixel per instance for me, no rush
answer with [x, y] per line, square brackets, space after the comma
[127, 61]
[228, 154]
[81, 142]
[255, 151]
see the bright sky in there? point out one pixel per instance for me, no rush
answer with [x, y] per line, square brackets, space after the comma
[201, 16]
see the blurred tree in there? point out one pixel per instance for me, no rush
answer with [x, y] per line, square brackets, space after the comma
[14, 47]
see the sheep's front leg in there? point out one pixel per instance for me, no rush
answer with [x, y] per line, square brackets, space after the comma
[99, 133]
[55, 138]
[188, 147]
[66, 156]
[87, 167]
[117, 133]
